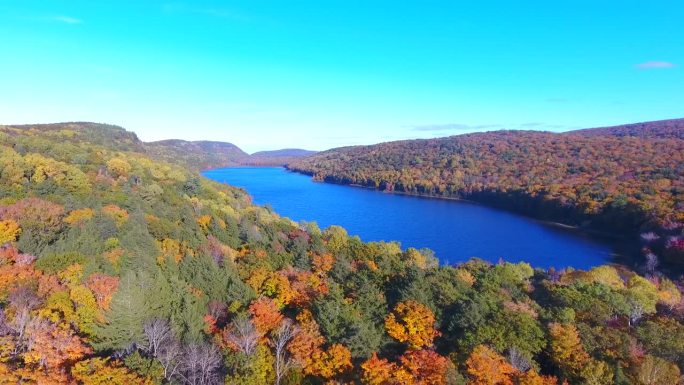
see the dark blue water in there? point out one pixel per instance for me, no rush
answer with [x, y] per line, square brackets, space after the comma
[455, 230]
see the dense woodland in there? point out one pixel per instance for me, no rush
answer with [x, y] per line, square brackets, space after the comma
[608, 180]
[118, 268]
[199, 155]
[672, 128]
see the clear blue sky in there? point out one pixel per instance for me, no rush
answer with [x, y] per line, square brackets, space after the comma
[268, 74]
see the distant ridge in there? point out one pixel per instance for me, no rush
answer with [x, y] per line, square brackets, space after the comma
[664, 129]
[195, 155]
[284, 152]
[199, 155]
[277, 157]
[108, 135]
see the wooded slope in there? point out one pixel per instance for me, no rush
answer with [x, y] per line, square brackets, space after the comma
[619, 184]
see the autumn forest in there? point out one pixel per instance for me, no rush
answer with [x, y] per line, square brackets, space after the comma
[624, 181]
[120, 264]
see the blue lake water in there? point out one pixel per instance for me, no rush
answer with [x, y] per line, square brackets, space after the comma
[455, 230]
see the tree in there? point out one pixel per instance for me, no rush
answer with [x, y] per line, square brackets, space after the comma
[169, 354]
[642, 296]
[9, 230]
[200, 365]
[103, 287]
[377, 371]
[138, 299]
[280, 339]
[40, 222]
[597, 373]
[332, 361]
[662, 337]
[255, 369]
[531, 377]
[79, 216]
[158, 335]
[51, 346]
[486, 367]
[426, 367]
[118, 167]
[669, 294]
[243, 335]
[119, 215]
[412, 323]
[265, 315]
[656, 371]
[307, 343]
[86, 311]
[420, 367]
[102, 371]
[567, 351]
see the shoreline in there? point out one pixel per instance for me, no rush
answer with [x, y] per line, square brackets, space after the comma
[564, 226]
[624, 250]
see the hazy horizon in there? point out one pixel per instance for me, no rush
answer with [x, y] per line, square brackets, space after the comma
[317, 75]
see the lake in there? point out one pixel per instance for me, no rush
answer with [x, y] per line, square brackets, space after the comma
[454, 230]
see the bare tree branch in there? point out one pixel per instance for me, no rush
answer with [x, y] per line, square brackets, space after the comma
[281, 338]
[200, 365]
[244, 335]
[157, 334]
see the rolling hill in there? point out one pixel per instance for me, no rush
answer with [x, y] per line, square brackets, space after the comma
[277, 157]
[666, 129]
[196, 155]
[600, 179]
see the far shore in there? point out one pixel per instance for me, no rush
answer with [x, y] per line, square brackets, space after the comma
[564, 226]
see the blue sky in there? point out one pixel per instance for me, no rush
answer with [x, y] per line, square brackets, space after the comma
[320, 74]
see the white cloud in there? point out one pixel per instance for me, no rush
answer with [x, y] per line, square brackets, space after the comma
[655, 65]
[54, 19]
[68, 20]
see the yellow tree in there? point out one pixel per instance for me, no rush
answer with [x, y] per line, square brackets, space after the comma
[118, 167]
[101, 371]
[79, 216]
[566, 349]
[9, 230]
[332, 361]
[531, 377]
[412, 323]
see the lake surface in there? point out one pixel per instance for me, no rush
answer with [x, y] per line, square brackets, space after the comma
[455, 230]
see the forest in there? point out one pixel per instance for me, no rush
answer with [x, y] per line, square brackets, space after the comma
[118, 266]
[625, 181]
[193, 155]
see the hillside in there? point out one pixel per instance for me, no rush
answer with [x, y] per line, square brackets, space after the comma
[277, 157]
[198, 155]
[195, 155]
[118, 268]
[621, 185]
[286, 152]
[666, 129]
[99, 134]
